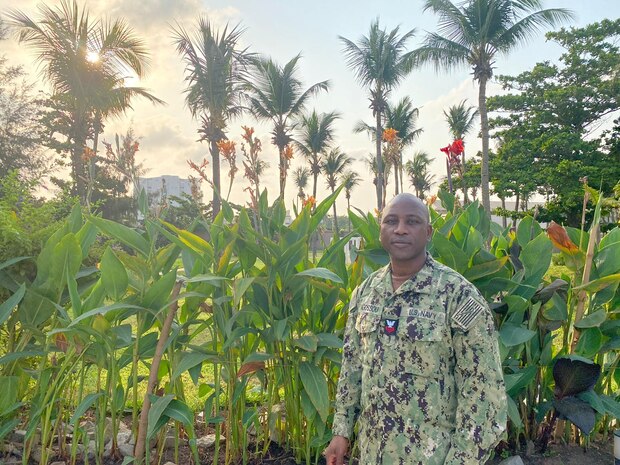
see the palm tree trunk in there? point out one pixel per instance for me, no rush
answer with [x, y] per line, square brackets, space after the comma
[316, 181]
[379, 187]
[217, 200]
[449, 171]
[395, 178]
[504, 223]
[348, 210]
[335, 231]
[465, 199]
[92, 163]
[283, 162]
[484, 128]
[518, 199]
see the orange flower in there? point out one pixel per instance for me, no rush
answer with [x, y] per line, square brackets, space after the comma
[560, 238]
[389, 134]
[88, 154]
[310, 201]
[288, 152]
[226, 148]
[135, 146]
[431, 200]
[247, 133]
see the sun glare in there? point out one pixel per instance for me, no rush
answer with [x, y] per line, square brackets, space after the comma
[92, 57]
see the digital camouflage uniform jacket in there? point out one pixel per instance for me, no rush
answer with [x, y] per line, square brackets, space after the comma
[421, 373]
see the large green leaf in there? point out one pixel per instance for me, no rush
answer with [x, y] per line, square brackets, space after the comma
[449, 253]
[536, 257]
[315, 385]
[592, 320]
[66, 260]
[6, 308]
[9, 389]
[86, 403]
[309, 342]
[512, 335]
[157, 417]
[599, 284]
[517, 381]
[527, 230]
[158, 293]
[513, 413]
[122, 233]
[322, 208]
[573, 376]
[485, 269]
[113, 275]
[591, 341]
[188, 360]
[322, 273]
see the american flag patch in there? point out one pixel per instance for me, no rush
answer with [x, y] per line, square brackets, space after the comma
[467, 313]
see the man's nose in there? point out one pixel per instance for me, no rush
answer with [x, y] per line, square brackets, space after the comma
[400, 228]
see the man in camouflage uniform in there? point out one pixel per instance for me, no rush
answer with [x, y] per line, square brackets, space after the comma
[421, 374]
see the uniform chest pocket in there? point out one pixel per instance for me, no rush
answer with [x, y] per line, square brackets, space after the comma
[425, 349]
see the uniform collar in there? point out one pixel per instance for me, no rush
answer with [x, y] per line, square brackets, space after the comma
[420, 283]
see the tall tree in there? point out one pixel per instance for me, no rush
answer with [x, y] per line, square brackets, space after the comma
[549, 123]
[215, 69]
[315, 135]
[85, 63]
[351, 180]
[301, 176]
[277, 95]
[461, 120]
[334, 166]
[380, 62]
[473, 34]
[403, 118]
[419, 175]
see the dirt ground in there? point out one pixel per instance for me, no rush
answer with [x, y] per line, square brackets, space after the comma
[558, 454]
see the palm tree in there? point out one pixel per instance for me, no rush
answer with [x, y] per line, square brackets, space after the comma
[277, 95]
[301, 176]
[334, 165]
[419, 176]
[380, 63]
[351, 180]
[473, 34]
[214, 73]
[85, 63]
[402, 117]
[460, 119]
[316, 133]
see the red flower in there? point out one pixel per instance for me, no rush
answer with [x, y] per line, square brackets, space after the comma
[457, 147]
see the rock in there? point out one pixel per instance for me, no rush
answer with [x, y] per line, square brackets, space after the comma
[208, 441]
[125, 437]
[59, 463]
[515, 460]
[37, 453]
[170, 440]
[170, 463]
[530, 449]
[126, 450]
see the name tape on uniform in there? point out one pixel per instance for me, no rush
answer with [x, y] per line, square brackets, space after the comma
[467, 313]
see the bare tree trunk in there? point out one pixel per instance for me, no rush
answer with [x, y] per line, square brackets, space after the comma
[215, 159]
[141, 445]
[463, 182]
[504, 222]
[484, 128]
[380, 174]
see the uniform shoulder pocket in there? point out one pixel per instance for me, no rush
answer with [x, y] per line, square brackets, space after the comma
[366, 322]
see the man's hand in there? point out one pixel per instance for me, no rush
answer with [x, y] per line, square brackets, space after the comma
[338, 447]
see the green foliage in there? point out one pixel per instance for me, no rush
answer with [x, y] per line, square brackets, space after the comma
[547, 142]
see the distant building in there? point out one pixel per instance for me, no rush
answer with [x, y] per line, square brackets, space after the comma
[164, 187]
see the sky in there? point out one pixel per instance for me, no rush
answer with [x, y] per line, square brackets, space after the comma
[281, 29]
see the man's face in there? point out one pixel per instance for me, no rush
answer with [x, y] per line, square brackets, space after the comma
[405, 229]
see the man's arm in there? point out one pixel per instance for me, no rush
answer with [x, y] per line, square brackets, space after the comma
[349, 389]
[481, 410]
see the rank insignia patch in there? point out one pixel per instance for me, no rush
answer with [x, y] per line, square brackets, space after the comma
[390, 327]
[467, 313]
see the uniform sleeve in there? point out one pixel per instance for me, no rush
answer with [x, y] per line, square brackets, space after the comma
[350, 380]
[481, 408]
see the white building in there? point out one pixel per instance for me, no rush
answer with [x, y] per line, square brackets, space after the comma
[164, 187]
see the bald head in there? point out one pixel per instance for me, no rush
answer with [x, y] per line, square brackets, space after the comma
[408, 201]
